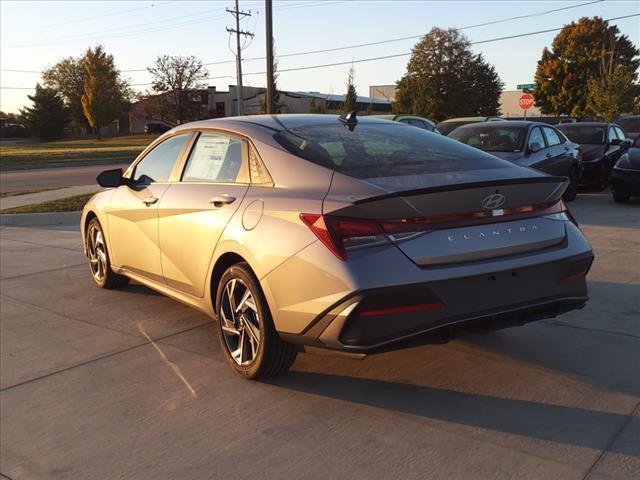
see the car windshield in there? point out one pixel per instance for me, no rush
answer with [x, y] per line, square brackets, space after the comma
[447, 127]
[382, 150]
[584, 134]
[491, 138]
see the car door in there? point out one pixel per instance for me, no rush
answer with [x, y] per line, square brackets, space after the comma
[195, 210]
[133, 211]
[556, 160]
[536, 149]
[613, 150]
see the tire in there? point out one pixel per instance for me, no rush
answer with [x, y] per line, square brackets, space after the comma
[621, 197]
[249, 340]
[571, 192]
[99, 263]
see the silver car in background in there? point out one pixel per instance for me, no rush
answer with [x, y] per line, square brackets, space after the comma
[352, 234]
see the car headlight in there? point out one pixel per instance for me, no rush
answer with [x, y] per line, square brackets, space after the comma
[623, 162]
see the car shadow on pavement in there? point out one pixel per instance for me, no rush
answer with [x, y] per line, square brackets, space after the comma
[556, 423]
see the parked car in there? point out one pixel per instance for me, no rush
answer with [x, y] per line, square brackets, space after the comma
[631, 125]
[447, 126]
[350, 234]
[529, 144]
[14, 130]
[412, 120]
[567, 120]
[625, 178]
[156, 127]
[601, 144]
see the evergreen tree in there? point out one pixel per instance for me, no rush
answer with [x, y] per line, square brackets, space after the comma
[48, 116]
[351, 98]
[446, 79]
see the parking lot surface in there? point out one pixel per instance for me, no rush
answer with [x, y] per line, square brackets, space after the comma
[129, 384]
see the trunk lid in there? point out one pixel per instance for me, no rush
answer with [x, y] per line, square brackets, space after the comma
[461, 216]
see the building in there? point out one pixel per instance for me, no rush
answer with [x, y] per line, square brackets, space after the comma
[213, 103]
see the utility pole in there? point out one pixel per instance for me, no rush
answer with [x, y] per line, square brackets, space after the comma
[269, 31]
[238, 14]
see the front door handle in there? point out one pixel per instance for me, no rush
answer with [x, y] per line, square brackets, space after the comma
[220, 200]
[150, 200]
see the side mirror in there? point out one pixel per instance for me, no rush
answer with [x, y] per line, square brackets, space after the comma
[625, 144]
[535, 147]
[111, 178]
[615, 141]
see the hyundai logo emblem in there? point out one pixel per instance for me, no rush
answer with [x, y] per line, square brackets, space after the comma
[493, 201]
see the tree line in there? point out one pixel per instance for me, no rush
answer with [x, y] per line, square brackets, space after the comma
[590, 70]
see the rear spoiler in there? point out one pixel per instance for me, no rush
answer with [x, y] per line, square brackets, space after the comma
[466, 186]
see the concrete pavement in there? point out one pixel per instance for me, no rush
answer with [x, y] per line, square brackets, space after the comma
[129, 384]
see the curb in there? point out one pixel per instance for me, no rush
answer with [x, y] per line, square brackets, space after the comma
[36, 219]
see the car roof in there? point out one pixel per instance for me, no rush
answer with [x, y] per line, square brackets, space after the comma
[467, 119]
[514, 123]
[586, 124]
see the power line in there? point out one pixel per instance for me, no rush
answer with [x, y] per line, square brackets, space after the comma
[77, 20]
[384, 57]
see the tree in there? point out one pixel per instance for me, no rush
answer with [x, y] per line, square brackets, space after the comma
[105, 93]
[317, 107]
[67, 77]
[351, 98]
[570, 75]
[177, 75]
[48, 116]
[446, 79]
[277, 106]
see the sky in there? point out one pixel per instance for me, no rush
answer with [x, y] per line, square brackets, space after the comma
[35, 35]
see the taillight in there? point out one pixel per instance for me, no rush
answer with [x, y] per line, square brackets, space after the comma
[339, 233]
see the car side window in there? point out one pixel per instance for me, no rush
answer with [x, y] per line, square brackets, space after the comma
[612, 134]
[158, 164]
[552, 137]
[214, 158]
[620, 132]
[536, 137]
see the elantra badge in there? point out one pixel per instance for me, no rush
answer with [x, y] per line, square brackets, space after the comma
[493, 201]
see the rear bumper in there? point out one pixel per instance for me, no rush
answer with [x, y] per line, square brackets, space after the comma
[466, 305]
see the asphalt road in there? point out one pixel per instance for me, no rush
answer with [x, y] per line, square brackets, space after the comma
[59, 177]
[131, 385]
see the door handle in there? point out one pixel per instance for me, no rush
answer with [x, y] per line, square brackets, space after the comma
[548, 155]
[150, 200]
[220, 200]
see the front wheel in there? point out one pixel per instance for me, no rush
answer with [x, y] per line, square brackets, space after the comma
[98, 254]
[247, 335]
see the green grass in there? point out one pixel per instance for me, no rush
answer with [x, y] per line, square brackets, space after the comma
[70, 204]
[84, 151]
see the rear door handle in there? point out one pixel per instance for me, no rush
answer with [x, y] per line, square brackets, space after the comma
[220, 200]
[150, 200]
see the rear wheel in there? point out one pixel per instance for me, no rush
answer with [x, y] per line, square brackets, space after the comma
[98, 254]
[571, 192]
[247, 335]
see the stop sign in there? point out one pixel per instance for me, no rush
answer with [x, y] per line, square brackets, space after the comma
[526, 101]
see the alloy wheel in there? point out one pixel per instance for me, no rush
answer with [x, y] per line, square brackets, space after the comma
[97, 253]
[240, 322]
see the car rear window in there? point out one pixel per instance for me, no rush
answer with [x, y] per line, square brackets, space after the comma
[377, 150]
[584, 134]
